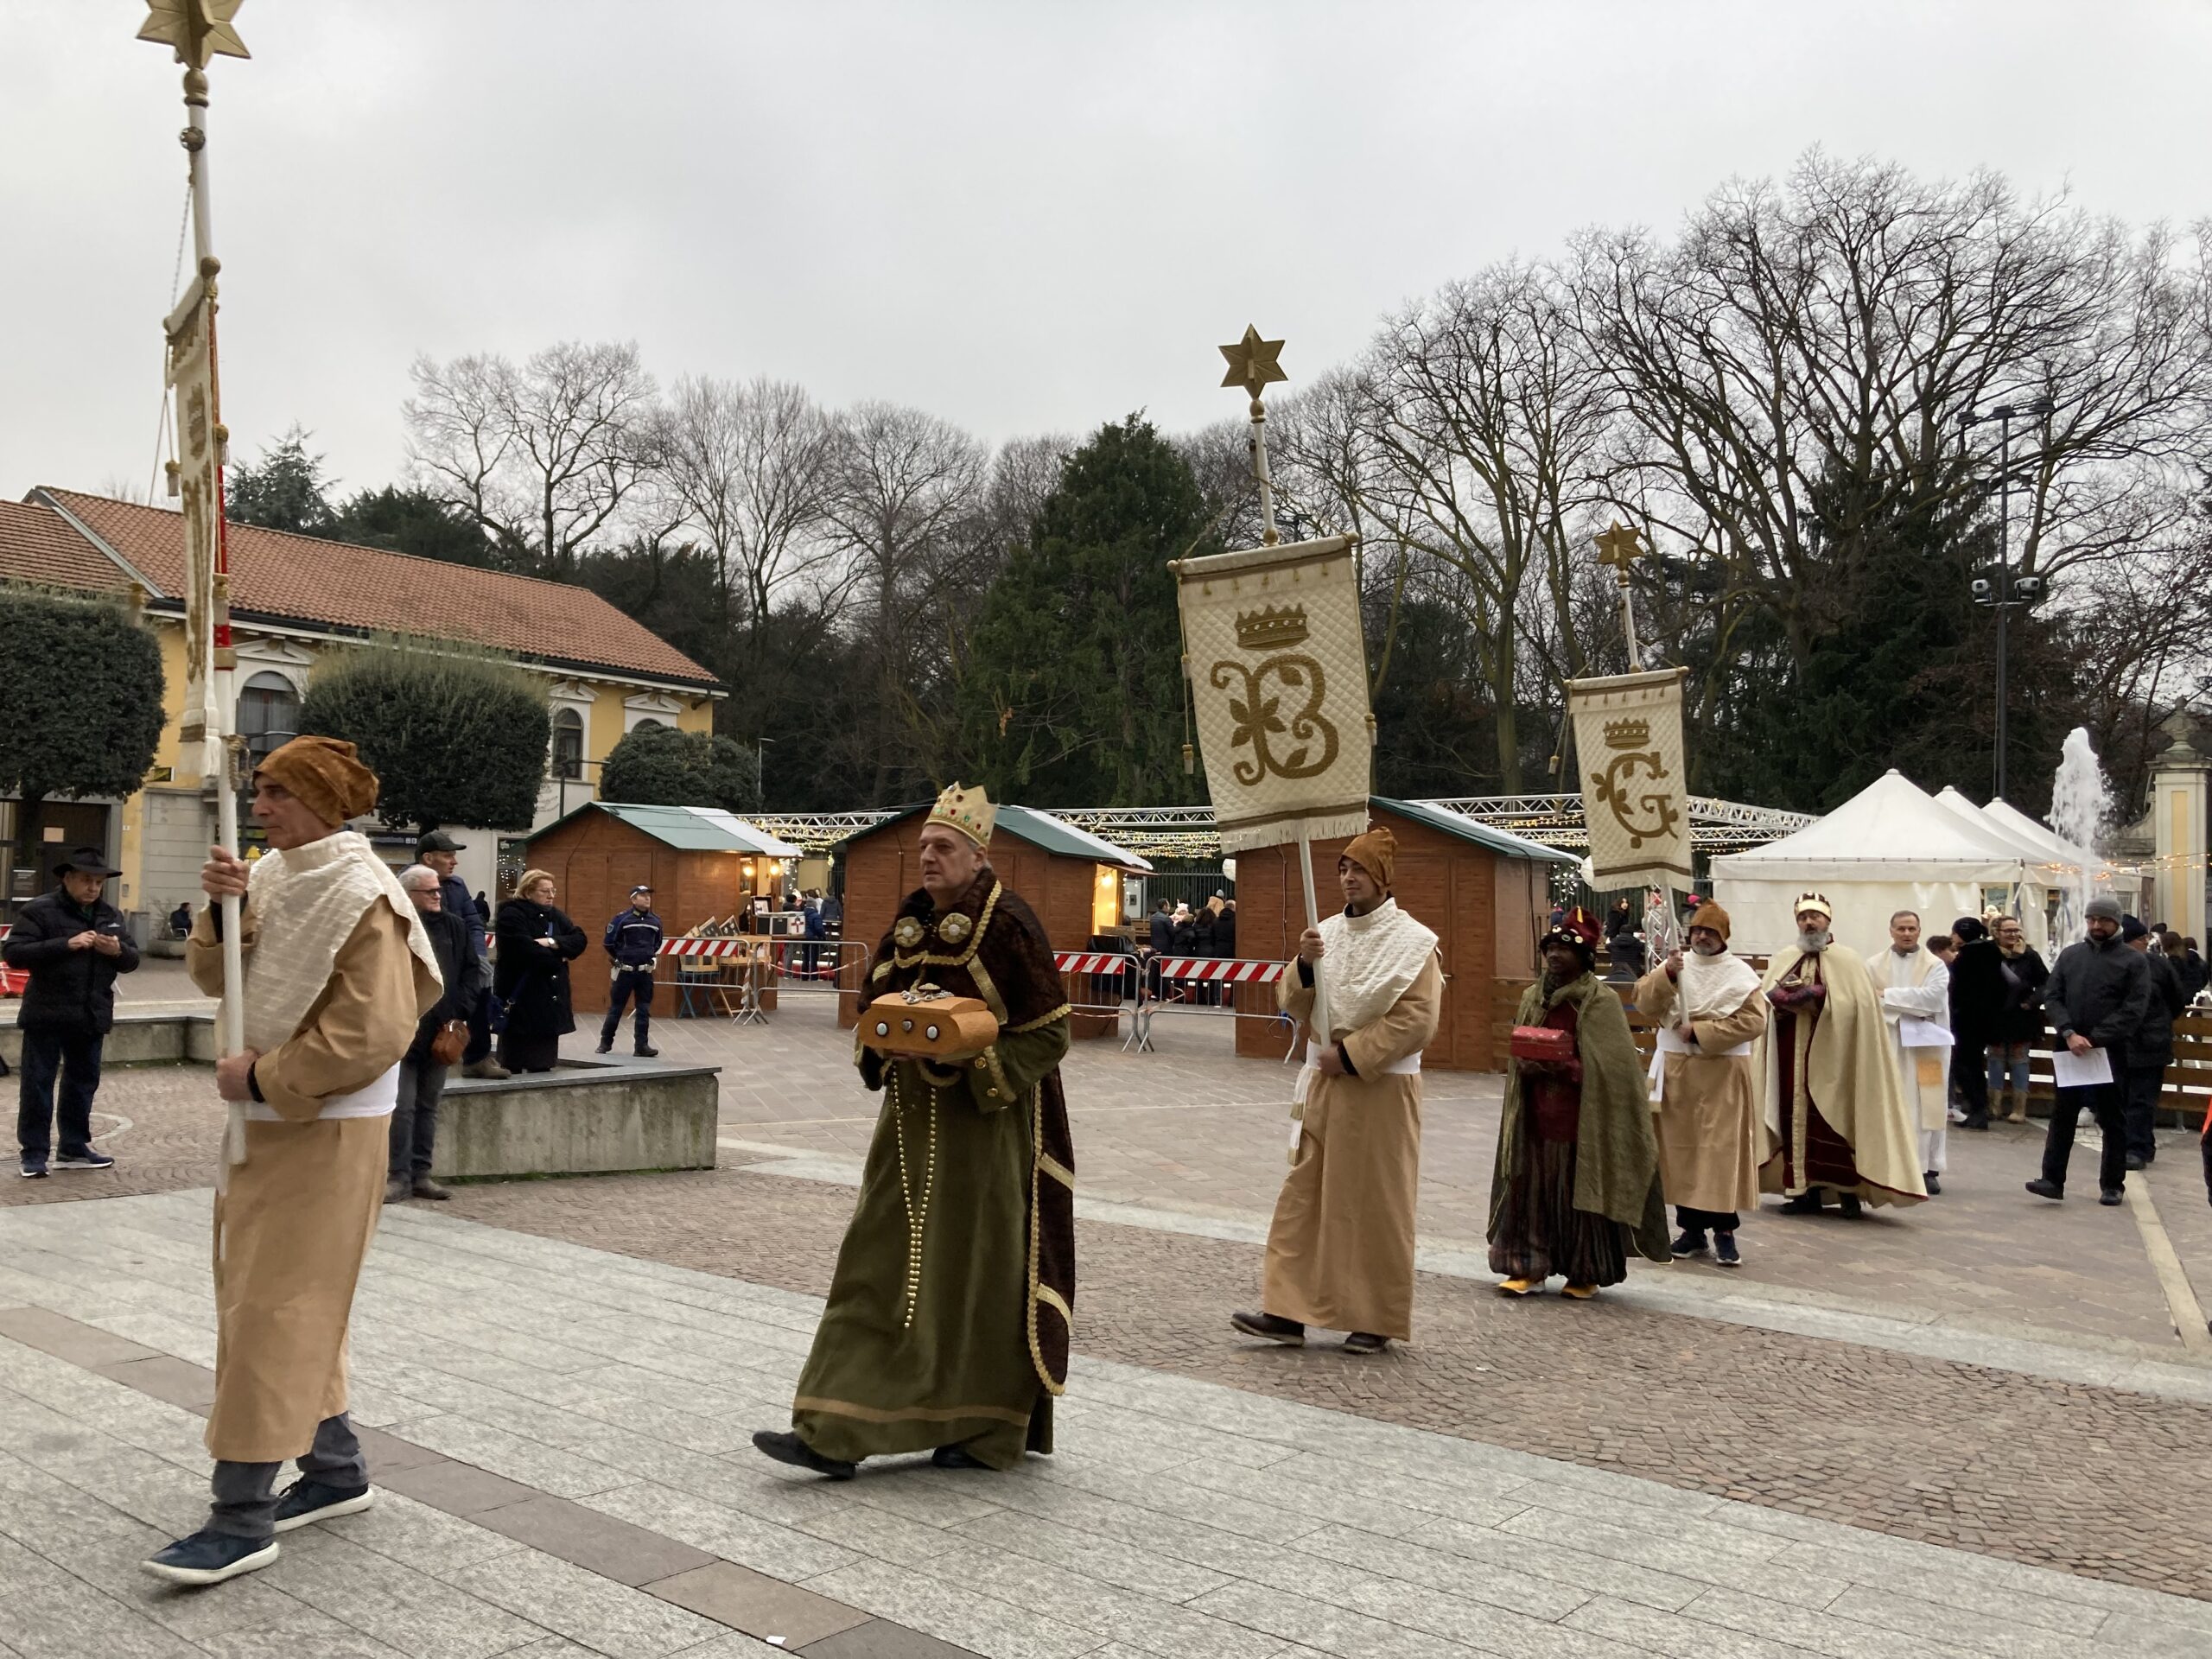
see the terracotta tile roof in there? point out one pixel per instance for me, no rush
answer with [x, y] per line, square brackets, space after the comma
[37, 544]
[337, 584]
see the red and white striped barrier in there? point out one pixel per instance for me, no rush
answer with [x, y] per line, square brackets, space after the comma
[1222, 969]
[13, 982]
[1092, 962]
[732, 947]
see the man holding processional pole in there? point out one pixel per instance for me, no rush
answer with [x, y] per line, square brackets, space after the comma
[317, 958]
[1277, 672]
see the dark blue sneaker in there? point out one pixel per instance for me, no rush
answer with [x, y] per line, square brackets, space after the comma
[86, 1160]
[307, 1499]
[209, 1557]
[34, 1169]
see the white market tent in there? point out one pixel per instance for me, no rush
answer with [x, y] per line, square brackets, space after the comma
[1890, 847]
[2063, 857]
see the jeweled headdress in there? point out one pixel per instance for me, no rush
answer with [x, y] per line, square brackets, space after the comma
[968, 810]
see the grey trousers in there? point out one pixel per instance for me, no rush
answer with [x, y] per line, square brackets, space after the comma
[245, 1493]
[414, 1119]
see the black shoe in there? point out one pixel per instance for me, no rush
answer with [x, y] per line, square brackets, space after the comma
[646, 1052]
[1976, 1120]
[1365, 1341]
[1691, 1242]
[397, 1190]
[1288, 1332]
[785, 1447]
[1807, 1203]
[307, 1499]
[957, 1457]
[2043, 1188]
[606, 1045]
[424, 1187]
[2111, 1195]
[86, 1160]
[1935, 1186]
[210, 1557]
[34, 1169]
[2135, 1160]
[1850, 1206]
[1724, 1250]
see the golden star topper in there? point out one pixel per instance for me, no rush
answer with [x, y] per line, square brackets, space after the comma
[1252, 362]
[1618, 547]
[195, 29]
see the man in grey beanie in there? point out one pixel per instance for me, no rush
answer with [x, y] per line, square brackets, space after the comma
[2097, 997]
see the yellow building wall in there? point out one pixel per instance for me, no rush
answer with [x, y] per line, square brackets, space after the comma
[699, 717]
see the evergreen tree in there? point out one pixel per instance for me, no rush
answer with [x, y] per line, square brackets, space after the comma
[1071, 693]
[80, 706]
[413, 521]
[453, 737]
[659, 765]
[288, 490]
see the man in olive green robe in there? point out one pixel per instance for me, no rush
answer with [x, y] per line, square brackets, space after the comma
[948, 1319]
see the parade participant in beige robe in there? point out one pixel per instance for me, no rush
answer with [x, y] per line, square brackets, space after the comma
[337, 973]
[1709, 1013]
[1834, 1120]
[1914, 987]
[1367, 989]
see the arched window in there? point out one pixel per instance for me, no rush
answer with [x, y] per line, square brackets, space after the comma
[567, 744]
[645, 720]
[269, 714]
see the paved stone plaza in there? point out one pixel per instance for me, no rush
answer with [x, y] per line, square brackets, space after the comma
[1974, 1429]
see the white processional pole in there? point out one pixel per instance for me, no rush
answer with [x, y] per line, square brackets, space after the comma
[197, 30]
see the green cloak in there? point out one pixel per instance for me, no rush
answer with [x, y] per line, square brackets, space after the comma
[1615, 1153]
[949, 1316]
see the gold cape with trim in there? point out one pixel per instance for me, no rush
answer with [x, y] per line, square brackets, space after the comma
[950, 1315]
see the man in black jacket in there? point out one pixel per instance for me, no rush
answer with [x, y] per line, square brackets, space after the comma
[441, 852]
[1977, 998]
[633, 939]
[422, 1074]
[2096, 998]
[2152, 1050]
[72, 943]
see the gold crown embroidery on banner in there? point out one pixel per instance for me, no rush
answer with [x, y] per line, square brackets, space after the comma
[1269, 629]
[1627, 734]
[968, 810]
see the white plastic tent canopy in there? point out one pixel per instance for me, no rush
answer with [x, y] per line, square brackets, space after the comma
[1890, 847]
[2063, 856]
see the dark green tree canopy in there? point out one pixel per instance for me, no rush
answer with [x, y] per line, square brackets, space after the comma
[80, 703]
[411, 521]
[453, 737]
[287, 489]
[1071, 695]
[658, 765]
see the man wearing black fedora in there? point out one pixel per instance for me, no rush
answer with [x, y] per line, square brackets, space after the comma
[72, 943]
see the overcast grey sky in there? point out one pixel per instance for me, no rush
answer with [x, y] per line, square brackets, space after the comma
[1021, 216]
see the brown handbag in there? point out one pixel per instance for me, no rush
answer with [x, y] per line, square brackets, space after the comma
[450, 1043]
[928, 1024]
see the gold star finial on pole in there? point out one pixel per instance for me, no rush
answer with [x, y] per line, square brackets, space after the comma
[1619, 548]
[1253, 364]
[195, 29]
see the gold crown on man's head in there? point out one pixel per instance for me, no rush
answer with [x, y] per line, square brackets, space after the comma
[1627, 734]
[968, 810]
[1267, 628]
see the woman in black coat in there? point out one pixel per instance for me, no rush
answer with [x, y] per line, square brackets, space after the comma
[2020, 1024]
[536, 943]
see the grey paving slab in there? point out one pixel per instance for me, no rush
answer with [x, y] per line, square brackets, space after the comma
[68, 1338]
[1404, 1560]
[610, 1619]
[2149, 1638]
[407, 1609]
[548, 1468]
[419, 1535]
[982, 1624]
[1331, 1627]
[1597, 1575]
[730, 1533]
[1217, 1510]
[1649, 1630]
[1689, 1549]
[1108, 1559]
[388, 1455]
[879, 1639]
[756, 1603]
[1481, 1625]
[46, 1613]
[177, 1381]
[458, 1488]
[1817, 1632]
[1978, 1631]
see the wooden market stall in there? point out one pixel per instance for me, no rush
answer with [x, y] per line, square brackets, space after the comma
[1071, 879]
[1485, 892]
[704, 865]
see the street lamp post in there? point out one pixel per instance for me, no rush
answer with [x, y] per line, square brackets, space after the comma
[2004, 591]
[759, 772]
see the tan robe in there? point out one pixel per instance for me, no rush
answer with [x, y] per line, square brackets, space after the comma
[1340, 1251]
[292, 1228]
[1707, 1118]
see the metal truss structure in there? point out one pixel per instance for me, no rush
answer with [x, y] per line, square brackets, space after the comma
[1716, 826]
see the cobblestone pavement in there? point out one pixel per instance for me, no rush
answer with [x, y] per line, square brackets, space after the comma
[560, 1433]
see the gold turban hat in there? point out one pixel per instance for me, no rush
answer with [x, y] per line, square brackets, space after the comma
[324, 775]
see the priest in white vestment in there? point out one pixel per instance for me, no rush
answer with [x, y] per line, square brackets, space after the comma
[337, 973]
[1915, 991]
[1367, 988]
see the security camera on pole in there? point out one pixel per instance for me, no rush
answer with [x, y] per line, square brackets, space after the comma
[198, 30]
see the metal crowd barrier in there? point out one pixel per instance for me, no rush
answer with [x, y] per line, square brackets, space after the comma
[725, 976]
[1143, 985]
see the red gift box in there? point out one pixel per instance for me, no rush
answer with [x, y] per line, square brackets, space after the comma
[1544, 1043]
